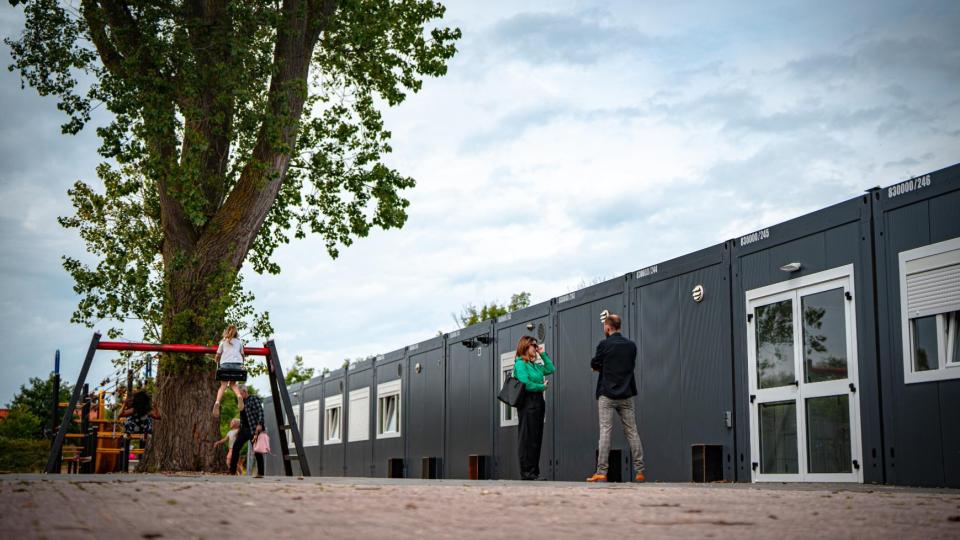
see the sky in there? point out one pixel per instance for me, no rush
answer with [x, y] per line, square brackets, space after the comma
[570, 141]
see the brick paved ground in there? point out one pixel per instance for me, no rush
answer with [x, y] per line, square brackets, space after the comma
[219, 507]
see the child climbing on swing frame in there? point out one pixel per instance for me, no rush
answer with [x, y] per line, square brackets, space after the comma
[229, 355]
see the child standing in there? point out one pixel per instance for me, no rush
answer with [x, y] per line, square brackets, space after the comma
[230, 438]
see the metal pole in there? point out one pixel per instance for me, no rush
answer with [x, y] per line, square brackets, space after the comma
[125, 459]
[85, 429]
[55, 448]
[55, 397]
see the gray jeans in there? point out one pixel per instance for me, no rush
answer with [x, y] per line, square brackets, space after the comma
[628, 418]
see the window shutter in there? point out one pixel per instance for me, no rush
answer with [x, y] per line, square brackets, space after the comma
[933, 291]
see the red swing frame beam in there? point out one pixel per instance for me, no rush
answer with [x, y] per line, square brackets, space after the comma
[173, 348]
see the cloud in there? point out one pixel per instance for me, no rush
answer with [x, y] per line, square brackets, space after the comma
[580, 38]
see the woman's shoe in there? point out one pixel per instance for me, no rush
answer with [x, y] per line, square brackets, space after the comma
[216, 409]
[597, 478]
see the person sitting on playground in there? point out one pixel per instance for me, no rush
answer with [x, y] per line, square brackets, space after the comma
[229, 355]
[230, 438]
[139, 413]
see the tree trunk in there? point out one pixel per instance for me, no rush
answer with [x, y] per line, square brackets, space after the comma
[196, 302]
[183, 438]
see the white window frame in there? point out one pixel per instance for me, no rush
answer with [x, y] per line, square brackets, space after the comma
[330, 403]
[311, 420]
[359, 401]
[796, 289]
[507, 361]
[948, 368]
[386, 390]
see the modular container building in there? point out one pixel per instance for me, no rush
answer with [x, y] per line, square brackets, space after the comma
[917, 239]
[470, 396]
[577, 330]
[388, 427]
[807, 385]
[825, 348]
[423, 416]
[536, 321]
[332, 434]
[680, 319]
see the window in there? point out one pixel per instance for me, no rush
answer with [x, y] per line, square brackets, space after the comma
[930, 312]
[311, 423]
[508, 414]
[388, 409]
[358, 426]
[333, 419]
[296, 421]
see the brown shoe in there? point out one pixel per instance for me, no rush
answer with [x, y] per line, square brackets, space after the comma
[216, 409]
[640, 477]
[597, 478]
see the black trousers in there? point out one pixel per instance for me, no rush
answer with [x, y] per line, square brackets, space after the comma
[530, 414]
[242, 438]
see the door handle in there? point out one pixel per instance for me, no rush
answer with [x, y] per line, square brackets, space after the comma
[853, 388]
[796, 383]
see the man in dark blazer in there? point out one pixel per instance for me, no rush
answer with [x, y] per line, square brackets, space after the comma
[615, 360]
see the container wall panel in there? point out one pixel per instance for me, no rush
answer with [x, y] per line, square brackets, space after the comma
[424, 413]
[470, 399]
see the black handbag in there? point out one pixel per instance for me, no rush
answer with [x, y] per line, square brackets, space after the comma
[512, 391]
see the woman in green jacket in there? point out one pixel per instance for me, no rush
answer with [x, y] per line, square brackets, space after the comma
[530, 367]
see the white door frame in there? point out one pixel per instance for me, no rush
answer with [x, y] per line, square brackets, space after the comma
[794, 290]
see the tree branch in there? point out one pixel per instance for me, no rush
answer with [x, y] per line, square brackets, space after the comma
[109, 55]
[232, 231]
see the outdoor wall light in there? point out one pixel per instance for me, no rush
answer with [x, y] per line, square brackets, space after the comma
[485, 339]
[530, 327]
[469, 343]
[791, 267]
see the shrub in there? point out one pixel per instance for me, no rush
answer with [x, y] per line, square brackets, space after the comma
[23, 455]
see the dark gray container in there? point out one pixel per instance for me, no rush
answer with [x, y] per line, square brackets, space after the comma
[680, 319]
[334, 451]
[831, 240]
[388, 443]
[533, 321]
[577, 331]
[423, 411]
[311, 397]
[359, 445]
[470, 397]
[921, 425]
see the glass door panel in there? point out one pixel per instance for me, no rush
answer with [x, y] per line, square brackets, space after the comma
[828, 435]
[824, 336]
[778, 438]
[775, 348]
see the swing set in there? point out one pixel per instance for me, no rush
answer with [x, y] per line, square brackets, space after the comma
[278, 389]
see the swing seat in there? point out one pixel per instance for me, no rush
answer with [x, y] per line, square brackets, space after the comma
[230, 371]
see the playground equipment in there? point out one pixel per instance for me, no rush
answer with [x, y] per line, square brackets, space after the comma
[278, 390]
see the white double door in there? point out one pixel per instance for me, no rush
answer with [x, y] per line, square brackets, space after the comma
[804, 406]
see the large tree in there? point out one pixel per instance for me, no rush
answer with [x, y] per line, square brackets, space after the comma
[233, 127]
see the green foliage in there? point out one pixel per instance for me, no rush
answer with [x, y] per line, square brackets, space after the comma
[297, 373]
[23, 455]
[472, 315]
[20, 423]
[34, 398]
[233, 128]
